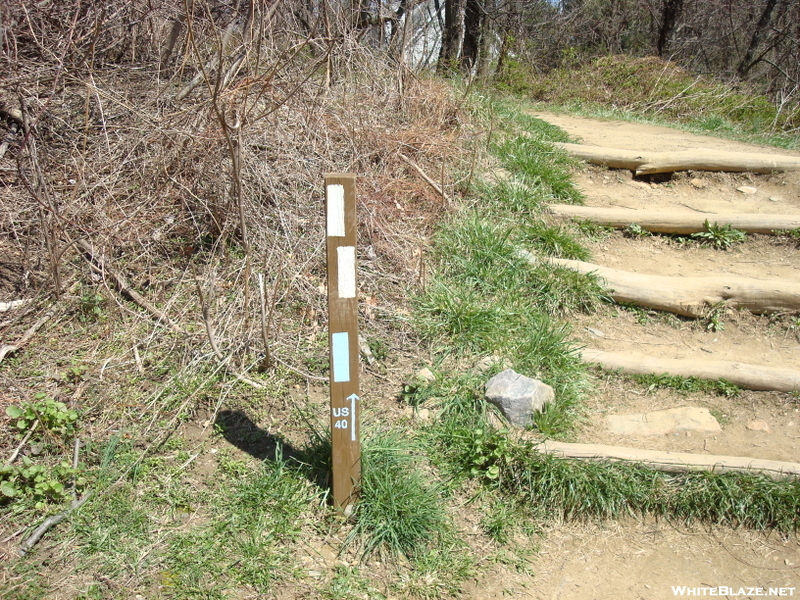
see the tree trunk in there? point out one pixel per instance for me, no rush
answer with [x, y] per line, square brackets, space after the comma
[688, 296]
[747, 62]
[169, 44]
[473, 30]
[670, 14]
[750, 377]
[648, 163]
[448, 54]
[672, 462]
[679, 222]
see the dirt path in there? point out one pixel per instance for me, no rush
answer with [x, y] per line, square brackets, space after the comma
[638, 560]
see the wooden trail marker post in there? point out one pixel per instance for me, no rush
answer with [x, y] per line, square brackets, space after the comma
[340, 201]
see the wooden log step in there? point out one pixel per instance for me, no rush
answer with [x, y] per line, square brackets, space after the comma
[678, 222]
[673, 462]
[648, 163]
[687, 296]
[747, 376]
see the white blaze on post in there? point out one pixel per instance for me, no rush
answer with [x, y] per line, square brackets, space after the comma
[346, 262]
[335, 210]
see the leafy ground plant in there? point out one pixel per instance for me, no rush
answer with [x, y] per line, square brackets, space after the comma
[38, 480]
[719, 236]
[52, 416]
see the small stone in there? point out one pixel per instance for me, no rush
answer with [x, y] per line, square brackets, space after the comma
[517, 396]
[423, 414]
[746, 189]
[487, 362]
[315, 574]
[759, 425]
[366, 351]
[699, 183]
[426, 375]
[775, 199]
[596, 332]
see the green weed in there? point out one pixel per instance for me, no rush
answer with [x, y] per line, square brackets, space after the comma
[720, 387]
[92, 307]
[636, 231]
[38, 484]
[593, 231]
[721, 237]
[53, 418]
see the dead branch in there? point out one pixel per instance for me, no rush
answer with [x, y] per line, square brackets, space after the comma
[7, 349]
[223, 361]
[101, 264]
[50, 522]
[424, 176]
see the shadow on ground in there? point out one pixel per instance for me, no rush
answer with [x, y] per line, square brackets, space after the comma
[240, 431]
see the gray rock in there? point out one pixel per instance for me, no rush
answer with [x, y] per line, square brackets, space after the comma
[699, 183]
[662, 422]
[489, 362]
[426, 375]
[517, 396]
[747, 189]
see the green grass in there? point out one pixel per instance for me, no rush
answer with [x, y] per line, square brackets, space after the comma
[579, 490]
[401, 509]
[719, 387]
[484, 298]
[248, 540]
[654, 91]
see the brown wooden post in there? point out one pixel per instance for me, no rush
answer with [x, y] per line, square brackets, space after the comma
[340, 200]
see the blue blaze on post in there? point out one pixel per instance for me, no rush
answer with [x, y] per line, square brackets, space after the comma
[341, 356]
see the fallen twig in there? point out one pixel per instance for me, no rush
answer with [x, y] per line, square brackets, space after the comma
[7, 349]
[50, 522]
[213, 341]
[424, 176]
[6, 306]
[100, 263]
[24, 441]
[308, 376]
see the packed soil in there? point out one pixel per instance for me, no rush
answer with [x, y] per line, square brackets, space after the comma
[644, 559]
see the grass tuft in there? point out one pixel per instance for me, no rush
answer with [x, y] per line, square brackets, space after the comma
[400, 511]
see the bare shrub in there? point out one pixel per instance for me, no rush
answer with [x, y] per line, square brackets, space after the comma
[223, 182]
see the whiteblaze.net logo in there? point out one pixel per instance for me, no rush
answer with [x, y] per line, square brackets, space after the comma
[723, 590]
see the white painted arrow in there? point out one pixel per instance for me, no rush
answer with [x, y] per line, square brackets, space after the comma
[353, 398]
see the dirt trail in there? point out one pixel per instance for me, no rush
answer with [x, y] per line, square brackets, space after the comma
[643, 560]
